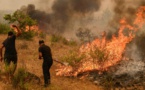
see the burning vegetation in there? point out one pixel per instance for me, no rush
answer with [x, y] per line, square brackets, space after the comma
[102, 54]
[116, 61]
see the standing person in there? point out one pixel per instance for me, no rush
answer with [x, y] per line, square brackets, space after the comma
[10, 54]
[45, 52]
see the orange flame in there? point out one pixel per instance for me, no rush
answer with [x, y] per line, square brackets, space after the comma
[110, 52]
[34, 28]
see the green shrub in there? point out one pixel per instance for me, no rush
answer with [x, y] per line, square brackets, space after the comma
[69, 42]
[98, 54]
[72, 58]
[18, 81]
[42, 35]
[72, 43]
[55, 38]
[4, 28]
[63, 40]
[9, 69]
[27, 35]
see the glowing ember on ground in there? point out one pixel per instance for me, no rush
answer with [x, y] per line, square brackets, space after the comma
[102, 53]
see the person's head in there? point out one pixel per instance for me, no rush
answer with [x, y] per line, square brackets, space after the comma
[41, 42]
[10, 33]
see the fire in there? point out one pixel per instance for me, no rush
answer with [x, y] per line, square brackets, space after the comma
[34, 28]
[102, 53]
[140, 20]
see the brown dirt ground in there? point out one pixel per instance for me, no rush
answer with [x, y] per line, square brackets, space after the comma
[28, 59]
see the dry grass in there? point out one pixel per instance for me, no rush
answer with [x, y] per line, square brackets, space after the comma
[28, 59]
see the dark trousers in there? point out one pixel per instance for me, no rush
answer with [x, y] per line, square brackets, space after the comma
[11, 58]
[46, 73]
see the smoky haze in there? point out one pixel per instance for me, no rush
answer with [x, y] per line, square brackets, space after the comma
[125, 8]
[12, 5]
[58, 18]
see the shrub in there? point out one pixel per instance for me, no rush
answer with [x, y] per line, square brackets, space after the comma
[108, 82]
[69, 42]
[4, 28]
[55, 38]
[98, 54]
[18, 81]
[9, 69]
[84, 34]
[72, 58]
[42, 35]
[63, 40]
[72, 43]
[27, 35]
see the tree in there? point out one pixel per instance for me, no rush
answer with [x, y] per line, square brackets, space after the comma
[84, 35]
[22, 19]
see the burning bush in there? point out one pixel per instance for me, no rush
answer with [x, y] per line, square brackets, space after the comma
[101, 54]
[72, 58]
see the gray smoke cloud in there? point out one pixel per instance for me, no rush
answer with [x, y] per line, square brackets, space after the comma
[62, 12]
[135, 63]
[127, 9]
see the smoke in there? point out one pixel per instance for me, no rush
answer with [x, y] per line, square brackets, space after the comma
[41, 16]
[60, 16]
[85, 6]
[134, 64]
[125, 9]
[131, 67]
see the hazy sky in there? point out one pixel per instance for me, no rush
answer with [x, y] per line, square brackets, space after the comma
[15, 4]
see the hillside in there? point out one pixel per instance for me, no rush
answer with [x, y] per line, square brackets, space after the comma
[28, 59]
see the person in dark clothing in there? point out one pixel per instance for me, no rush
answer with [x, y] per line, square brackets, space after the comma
[10, 54]
[45, 52]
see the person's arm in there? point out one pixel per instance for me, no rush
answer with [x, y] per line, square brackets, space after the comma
[18, 31]
[40, 52]
[40, 55]
[1, 54]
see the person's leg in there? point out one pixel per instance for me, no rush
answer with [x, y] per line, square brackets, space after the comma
[7, 60]
[48, 72]
[14, 61]
[7, 63]
[45, 73]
